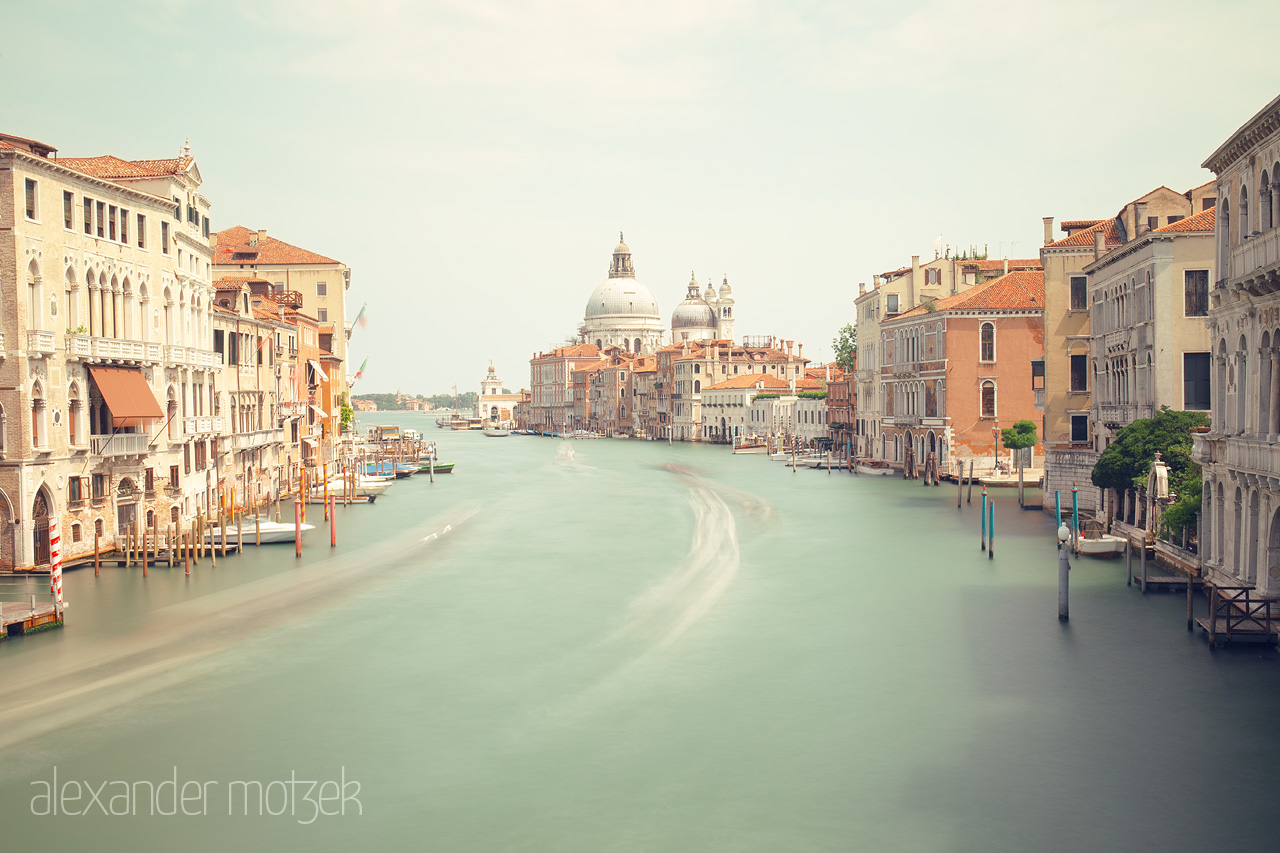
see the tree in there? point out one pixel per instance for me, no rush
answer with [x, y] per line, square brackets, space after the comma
[845, 346]
[1126, 462]
[1020, 436]
[348, 415]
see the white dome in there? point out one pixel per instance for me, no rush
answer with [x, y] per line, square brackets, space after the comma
[693, 313]
[622, 297]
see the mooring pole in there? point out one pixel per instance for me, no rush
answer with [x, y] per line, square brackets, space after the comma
[991, 529]
[1064, 570]
[969, 494]
[1075, 518]
[297, 527]
[333, 524]
[984, 518]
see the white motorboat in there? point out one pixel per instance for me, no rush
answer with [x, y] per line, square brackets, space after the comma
[874, 469]
[364, 486]
[271, 532]
[1102, 545]
[496, 432]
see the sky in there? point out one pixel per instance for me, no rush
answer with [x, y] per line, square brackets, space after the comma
[474, 161]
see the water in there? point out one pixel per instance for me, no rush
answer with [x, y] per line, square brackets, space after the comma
[613, 645]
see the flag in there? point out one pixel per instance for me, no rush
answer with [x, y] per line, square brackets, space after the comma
[362, 367]
[360, 320]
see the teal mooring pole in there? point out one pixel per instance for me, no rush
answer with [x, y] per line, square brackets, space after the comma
[984, 518]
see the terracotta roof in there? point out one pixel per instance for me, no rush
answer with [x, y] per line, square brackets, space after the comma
[268, 252]
[749, 380]
[1014, 264]
[1021, 290]
[1202, 221]
[1111, 227]
[810, 385]
[1073, 224]
[230, 284]
[31, 146]
[575, 351]
[109, 166]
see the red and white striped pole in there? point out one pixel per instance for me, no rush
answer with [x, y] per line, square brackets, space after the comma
[333, 522]
[297, 527]
[55, 565]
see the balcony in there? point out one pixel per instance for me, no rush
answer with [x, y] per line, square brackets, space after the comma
[906, 420]
[40, 343]
[248, 369]
[1255, 253]
[258, 438]
[201, 426]
[193, 357]
[1122, 415]
[292, 298]
[292, 410]
[120, 444]
[1116, 341]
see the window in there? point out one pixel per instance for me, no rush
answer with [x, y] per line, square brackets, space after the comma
[204, 225]
[177, 209]
[149, 481]
[1153, 222]
[1079, 293]
[1079, 372]
[278, 286]
[1196, 283]
[124, 226]
[322, 288]
[186, 458]
[33, 208]
[987, 342]
[322, 314]
[164, 237]
[933, 276]
[1195, 380]
[988, 399]
[174, 477]
[99, 487]
[101, 217]
[68, 210]
[88, 215]
[111, 221]
[891, 303]
[75, 495]
[142, 231]
[76, 533]
[1079, 428]
[1176, 218]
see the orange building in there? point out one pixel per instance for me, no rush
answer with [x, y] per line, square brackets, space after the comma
[958, 370]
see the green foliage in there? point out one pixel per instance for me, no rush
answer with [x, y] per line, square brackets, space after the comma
[812, 395]
[348, 414]
[766, 396]
[1126, 463]
[929, 305]
[1019, 436]
[845, 345]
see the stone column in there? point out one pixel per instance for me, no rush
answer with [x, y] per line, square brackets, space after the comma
[1273, 397]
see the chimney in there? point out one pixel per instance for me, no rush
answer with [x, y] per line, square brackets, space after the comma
[915, 281]
[1006, 266]
[213, 241]
[862, 288]
[1140, 218]
[1099, 243]
[1048, 230]
[262, 237]
[799, 350]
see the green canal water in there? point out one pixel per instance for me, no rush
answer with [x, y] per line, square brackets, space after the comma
[625, 646]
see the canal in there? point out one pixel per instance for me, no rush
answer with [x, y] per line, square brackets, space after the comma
[626, 646]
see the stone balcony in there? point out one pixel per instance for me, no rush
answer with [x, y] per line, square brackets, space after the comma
[258, 438]
[97, 348]
[1255, 253]
[201, 426]
[292, 410]
[906, 420]
[121, 444]
[40, 343]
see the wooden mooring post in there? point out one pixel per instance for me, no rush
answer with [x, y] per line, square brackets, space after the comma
[969, 497]
[97, 550]
[1128, 559]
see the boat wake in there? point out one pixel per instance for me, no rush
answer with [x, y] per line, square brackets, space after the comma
[565, 458]
[185, 640]
[683, 598]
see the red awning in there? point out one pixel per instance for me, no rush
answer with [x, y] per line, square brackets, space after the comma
[127, 395]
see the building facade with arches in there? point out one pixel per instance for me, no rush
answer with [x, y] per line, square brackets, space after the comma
[956, 371]
[105, 300]
[1240, 513]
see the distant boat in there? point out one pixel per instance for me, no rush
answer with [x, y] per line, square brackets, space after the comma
[1030, 477]
[440, 468]
[875, 469]
[271, 532]
[496, 432]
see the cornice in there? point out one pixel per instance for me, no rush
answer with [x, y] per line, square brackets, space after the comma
[66, 172]
[1265, 123]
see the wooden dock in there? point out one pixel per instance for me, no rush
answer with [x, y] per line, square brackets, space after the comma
[1235, 616]
[18, 618]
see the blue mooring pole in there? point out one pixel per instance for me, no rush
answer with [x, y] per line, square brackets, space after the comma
[1057, 505]
[1075, 516]
[991, 529]
[984, 518]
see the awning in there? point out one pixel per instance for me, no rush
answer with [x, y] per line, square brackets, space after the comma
[127, 395]
[317, 367]
[310, 441]
[320, 413]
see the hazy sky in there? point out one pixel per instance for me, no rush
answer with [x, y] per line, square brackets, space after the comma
[474, 161]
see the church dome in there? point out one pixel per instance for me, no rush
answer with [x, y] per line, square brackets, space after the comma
[725, 289]
[693, 312]
[624, 296]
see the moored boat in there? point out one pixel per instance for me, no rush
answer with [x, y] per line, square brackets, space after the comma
[496, 432]
[875, 469]
[257, 530]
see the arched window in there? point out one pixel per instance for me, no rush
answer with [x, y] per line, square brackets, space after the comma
[988, 399]
[75, 432]
[697, 386]
[1244, 212]
[39, 428]
[637, 346]
[599, 344]
[697, 368]
[987, 342]
[1242, 383]
[35, 309]
[1264, 202]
